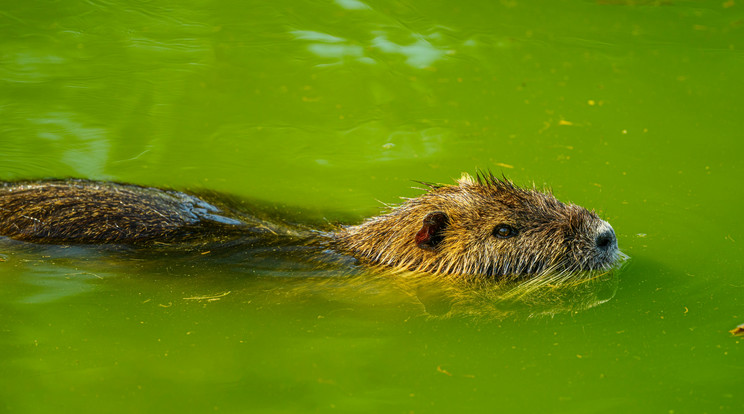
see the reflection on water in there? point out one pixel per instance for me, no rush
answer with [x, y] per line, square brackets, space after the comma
[444, 297]
[420, 54]
[328, 46]
[352, 5]
[270, 276]
[51, 282]
[386, 41]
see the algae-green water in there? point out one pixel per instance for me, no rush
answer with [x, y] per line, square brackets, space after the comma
[328, 110]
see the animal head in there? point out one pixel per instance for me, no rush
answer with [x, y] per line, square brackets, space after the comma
[485, 226]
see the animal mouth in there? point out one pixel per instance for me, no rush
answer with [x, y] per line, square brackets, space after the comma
[600, 254]
[606, 260]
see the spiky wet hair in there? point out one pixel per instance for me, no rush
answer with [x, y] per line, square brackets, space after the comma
[483, 225]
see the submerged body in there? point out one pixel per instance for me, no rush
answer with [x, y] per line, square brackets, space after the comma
[482, 226]
[98, 212]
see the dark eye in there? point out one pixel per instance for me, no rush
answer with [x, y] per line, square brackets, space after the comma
[504, 231]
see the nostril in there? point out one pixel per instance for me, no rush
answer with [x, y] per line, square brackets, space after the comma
[605, 240]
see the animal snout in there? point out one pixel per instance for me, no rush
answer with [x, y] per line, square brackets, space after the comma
[606, 239]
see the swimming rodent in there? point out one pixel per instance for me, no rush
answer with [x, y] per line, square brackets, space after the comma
[482, 225]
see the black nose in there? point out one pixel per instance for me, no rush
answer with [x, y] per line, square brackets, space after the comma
[606, 240]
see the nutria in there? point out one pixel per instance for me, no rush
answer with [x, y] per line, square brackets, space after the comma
[480, 226]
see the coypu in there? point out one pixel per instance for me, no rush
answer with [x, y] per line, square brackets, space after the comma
[480, 226]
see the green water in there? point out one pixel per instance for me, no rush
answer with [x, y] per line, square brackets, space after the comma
[327, 108]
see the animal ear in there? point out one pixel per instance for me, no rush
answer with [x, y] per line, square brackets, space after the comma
[432, 230]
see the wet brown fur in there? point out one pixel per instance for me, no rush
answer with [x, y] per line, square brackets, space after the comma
[92, 212]
[551, 235]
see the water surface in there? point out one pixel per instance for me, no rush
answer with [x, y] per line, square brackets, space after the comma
[329, 108]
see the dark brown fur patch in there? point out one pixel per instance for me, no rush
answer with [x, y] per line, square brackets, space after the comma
[79, 211]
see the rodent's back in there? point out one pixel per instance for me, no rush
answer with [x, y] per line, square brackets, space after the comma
[81, 211]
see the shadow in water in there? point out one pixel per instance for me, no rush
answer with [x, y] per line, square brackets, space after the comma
[274, 275]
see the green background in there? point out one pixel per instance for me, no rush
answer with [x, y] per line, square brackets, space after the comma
[327, 108]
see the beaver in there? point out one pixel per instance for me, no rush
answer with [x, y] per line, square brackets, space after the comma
[480, 226]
